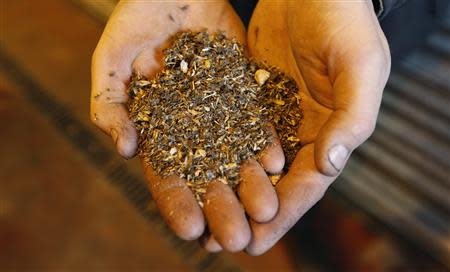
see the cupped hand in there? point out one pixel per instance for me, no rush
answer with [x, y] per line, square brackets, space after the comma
[338, 55]
[133, 41]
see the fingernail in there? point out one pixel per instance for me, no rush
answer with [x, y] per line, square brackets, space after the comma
[337, 156]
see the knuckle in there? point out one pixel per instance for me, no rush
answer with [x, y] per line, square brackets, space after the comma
[364, 129]
[373, 56]
[369, 127]
[376, 58]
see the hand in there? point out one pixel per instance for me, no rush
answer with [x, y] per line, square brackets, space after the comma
[338, 55]
[132, 41]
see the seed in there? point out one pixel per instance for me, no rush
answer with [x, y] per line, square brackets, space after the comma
[261, 76]
[200, 153]
[275, 179]
[207, 64]
[210, 175]
[142, 83]
[184, 66]
[173, 151]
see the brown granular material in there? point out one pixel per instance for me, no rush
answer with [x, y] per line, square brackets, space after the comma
[210, 109]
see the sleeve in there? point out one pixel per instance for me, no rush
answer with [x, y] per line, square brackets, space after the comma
[384, 7]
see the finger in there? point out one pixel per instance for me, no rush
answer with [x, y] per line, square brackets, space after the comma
[210, 244]
[225, 216]
[272, 157]
[358, 91]
[111, 69]
[177, 204]
[297, 192]
[256, 192]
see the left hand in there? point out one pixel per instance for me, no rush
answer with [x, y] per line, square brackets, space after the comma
[339, 57]
[133, 40]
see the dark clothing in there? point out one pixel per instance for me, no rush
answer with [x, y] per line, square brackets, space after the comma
[406, 23]
[384, 7]
[244, 8]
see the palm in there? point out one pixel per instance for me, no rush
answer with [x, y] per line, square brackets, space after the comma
[139, 31]
[279, 52]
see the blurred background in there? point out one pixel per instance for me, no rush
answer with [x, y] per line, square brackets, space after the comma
[68, 202]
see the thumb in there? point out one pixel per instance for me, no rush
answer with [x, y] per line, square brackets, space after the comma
[111, 69]
[341, 134]
[357, 97]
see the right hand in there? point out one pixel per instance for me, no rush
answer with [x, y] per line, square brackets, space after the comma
[133, 41]
[340, 59]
